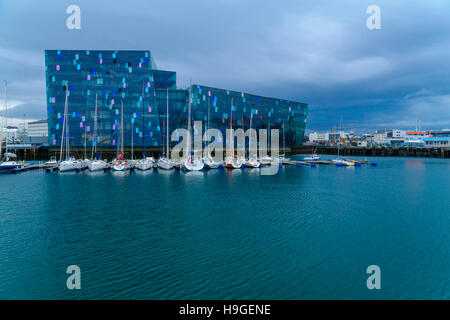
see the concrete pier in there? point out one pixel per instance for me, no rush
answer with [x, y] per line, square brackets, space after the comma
[378, 151]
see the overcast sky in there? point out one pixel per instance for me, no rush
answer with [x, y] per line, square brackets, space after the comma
[319, 52]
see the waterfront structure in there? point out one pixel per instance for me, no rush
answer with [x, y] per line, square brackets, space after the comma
[317, 137]
[131, 77]
[440, 133]
[390, 138]
[38, 128]
[437, 142]
[329, 137]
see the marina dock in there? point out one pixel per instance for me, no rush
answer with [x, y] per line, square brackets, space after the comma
[44, 167]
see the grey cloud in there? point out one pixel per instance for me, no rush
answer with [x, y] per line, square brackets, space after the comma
[319, 52]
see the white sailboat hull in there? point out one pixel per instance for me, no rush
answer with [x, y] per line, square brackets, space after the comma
[144, 164]
[69, 165]
[233, 163]
[85, 163]
[312, 158]
[97, 165]
[343, 162]
[211, 164]
[165, 164]
[266, 160]
[252, 163]
[9, 165]
[192, 166]
[121, 166]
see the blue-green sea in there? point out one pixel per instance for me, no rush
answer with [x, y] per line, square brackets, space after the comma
[305, 233]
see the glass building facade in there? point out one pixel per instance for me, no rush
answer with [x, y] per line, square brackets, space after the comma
[113, 78]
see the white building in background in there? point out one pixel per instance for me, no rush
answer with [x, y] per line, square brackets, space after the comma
[398, 134]
[38, 128]
[380, 137]
[316, 137]
[9, 134]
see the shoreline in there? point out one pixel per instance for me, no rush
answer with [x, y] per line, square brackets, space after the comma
[378, 151]
[44, 153]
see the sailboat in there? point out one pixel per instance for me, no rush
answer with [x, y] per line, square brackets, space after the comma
[132, 162]
[267, 159]
[252, 161]
[146, 163]
[208, 160]
[85, 162]
[70, 163]
[7, 163]
[96, 164]
[231, 161]
[339, 161]
[120, 163]
[191, 162]
[165, 162]
[282, 157]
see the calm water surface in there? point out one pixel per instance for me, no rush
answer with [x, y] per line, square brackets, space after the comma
[306, 233]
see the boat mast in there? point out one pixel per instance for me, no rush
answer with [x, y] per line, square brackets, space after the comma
[189, 123]
[284, 141]
[121, 130]
[6, 116]
[250, 136]
[209, 107]
[167, 126]
[132, 134]
[63, 128]
[85, 140]
[270, 139]
[67, 124]
[94, 142]
[143, 136]
[242, 124]
[231, 144]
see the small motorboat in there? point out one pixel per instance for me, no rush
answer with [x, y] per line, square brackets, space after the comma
[252, 162]
[266, 160]
[51, 162]
[313, 157]
[343, 162]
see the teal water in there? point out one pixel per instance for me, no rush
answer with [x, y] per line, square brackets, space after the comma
[306, 233]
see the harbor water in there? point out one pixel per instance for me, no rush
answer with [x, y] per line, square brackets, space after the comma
[305, 233]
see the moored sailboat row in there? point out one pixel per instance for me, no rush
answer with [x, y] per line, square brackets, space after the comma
[191, 161]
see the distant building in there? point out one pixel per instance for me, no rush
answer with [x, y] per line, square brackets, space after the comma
[316, 137]
[437, 142]
[38, 128]
[397, 134]
[9, 134]
[440, 133]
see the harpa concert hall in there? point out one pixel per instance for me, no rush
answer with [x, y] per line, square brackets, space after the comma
[113, 78]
